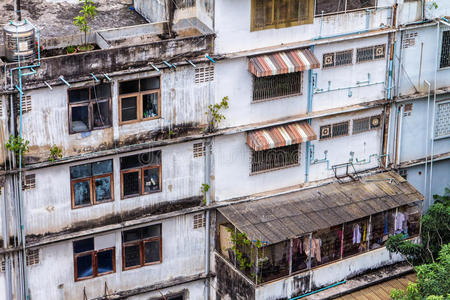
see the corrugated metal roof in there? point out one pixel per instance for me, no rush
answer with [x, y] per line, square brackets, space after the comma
[278, 218]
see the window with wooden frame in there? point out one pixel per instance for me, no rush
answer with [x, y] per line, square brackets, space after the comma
[89, 108]
[342, 6]
[139, 100]
[334, 130]
[370, 53]
[277, 86]
[89, 262]
[140, 174]
[141, 247]
[275, 158]
[268, 14]
[340, 58]
[91, 183]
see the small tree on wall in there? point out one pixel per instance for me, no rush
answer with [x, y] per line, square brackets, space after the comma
[87, 12]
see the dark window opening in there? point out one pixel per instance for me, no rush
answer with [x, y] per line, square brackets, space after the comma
[141, 174]
[277, 86]
[334, 130]
[91, 183]
[340, 58]
[275, 158]
[89, 108]
[445, 50]
[139, 99]
[90, 263]
[141, 246]
[341, 6]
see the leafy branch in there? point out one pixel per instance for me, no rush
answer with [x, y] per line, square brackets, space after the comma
[216, 115]
[18, 146]
[87, 12]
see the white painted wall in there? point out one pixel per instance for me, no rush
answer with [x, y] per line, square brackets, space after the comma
[328, 274]
[48, 206]
[181, 257]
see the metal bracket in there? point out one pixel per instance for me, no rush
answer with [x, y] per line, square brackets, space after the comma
[63, 80]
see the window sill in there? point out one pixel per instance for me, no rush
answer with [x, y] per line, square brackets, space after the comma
[276, 98]
[138, 195]
[442, 137]
[137, 121]
[94, 129]
[141, 266]
[274, 169]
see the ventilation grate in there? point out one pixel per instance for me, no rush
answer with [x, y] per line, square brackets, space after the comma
[199, 150]
[32, 257]
[204, 74]
[29, 182]
[199, 221]
[2, 265]
[26, 105]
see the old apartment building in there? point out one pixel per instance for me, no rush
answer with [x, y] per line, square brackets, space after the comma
[229, 149]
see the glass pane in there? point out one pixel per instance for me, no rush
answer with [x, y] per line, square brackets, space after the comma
[129, 162]
[142, 159]
[151, 231]
[151, 180]
[132, 235]
[83, 245]
[151, 83]
[131, 183]
[101, 114]
[282, 11]
[84, 266]
[129, 108]
[103, 189]
[132, 256]
[150, 105]
[105, 261]
[102, 167]
[80, 118]
[81, 171]
[152, 252]
[128, 87]
[329, 6]
[81, 193]
[356, 4]
[101, 91]
[78, 95]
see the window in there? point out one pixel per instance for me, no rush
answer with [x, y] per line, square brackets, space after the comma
[204, 74]
[139, 100]
[89, 108]
[445, 50]
[141, 246]
[91, 183]
[277, 86]
[26, 104]
[281, 13]
[341, 6]
[275, 158]
[366, 124]
[443, 120]
[334, 130]
[90, 262]
[141, 174]
[340, 58]
[370, 53]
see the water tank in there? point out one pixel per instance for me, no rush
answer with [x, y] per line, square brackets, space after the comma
[19, 41]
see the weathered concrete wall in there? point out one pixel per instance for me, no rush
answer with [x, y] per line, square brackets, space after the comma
[232, 159]
[295, 285]
[183, 107]
[180, 257]
[182, 176]
[152, 11]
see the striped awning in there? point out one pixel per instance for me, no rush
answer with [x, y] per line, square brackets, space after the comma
[283, 62]
[279, 136]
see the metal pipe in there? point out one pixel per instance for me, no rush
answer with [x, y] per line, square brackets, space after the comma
[17, 11]
[309, 110]
[399, 72]
[420, 65]
[399, 137]
[427, 141]
[319, 290]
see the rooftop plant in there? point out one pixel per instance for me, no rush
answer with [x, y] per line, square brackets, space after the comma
[87, 13]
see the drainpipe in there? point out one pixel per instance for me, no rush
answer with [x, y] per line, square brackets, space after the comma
[309, 110]
[17, 11]
[427, 141]
[399, 134]
[207, 217]
[434, 111]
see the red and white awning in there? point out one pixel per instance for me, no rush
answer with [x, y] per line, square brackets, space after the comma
[279, 136]
[283, 62]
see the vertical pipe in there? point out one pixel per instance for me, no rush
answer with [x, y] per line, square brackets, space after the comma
[17, 11]
[434, 111]
[341, 249]
[290, 256]
[309, 110]
[399, 139]
[369, 232]
[420, 65]
[427, 141]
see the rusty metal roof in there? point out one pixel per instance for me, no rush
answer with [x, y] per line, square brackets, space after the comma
[278, 218]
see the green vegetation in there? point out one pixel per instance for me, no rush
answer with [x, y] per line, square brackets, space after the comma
[17, 145]
[55, 153]
[431, 257]
[204, 189]
[216, 114]
[87, 13]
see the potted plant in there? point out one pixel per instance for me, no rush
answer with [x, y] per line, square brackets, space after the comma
[87, 13]
[71, 49]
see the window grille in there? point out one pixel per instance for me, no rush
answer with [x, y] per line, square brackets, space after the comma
[445, 50]
[29, 182]
[443, 120]
[26, 105]
[199, 150]
[334, 130]
[409, 40]
[1, 108]
[370, 53]
[2, 265]
[204, 74]
[275, 158]
[277, 86]
[32, 257]
[342, 6]
[340, 58]
[199, 221]
[361, 125]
